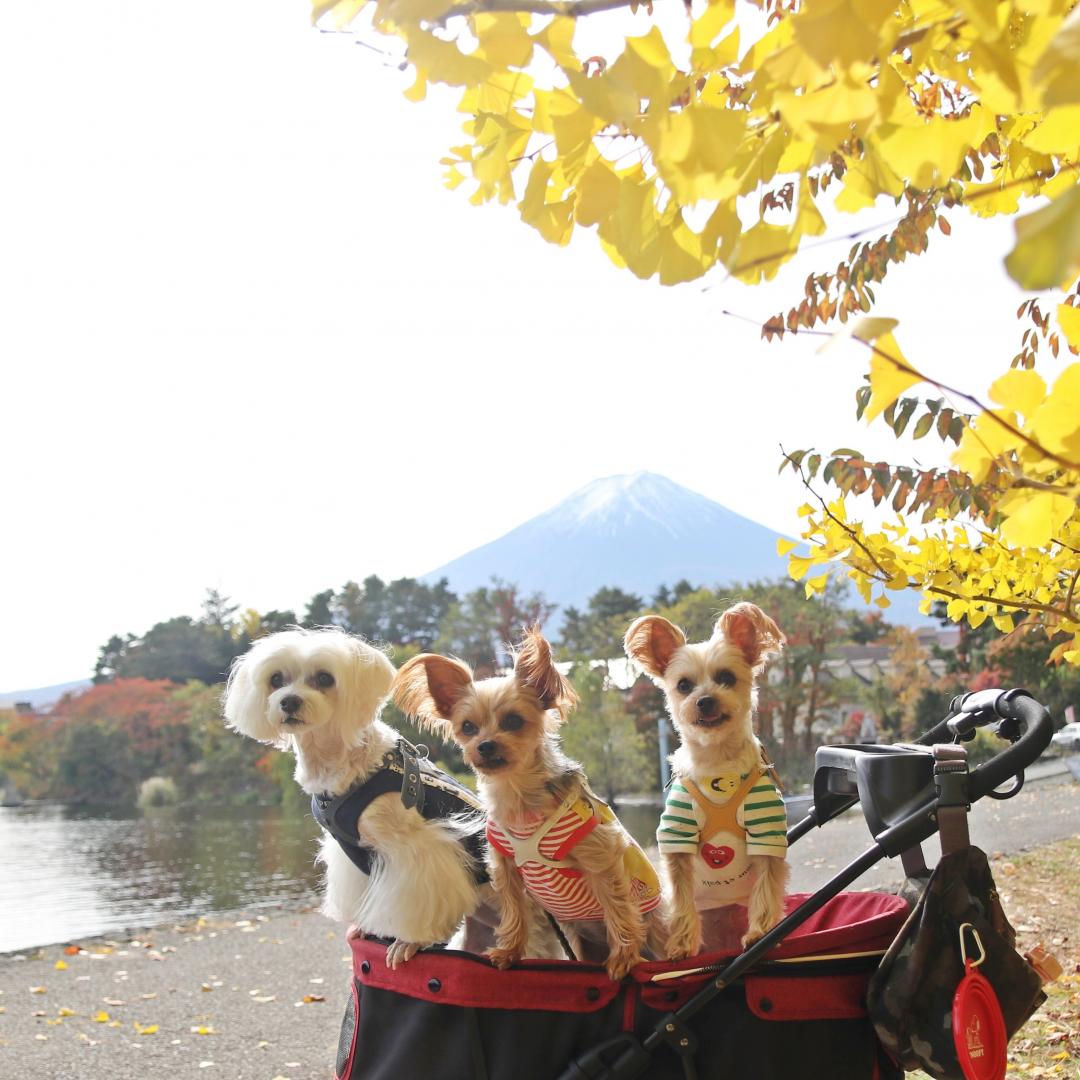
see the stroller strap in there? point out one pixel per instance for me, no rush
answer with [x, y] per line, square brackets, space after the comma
[951, 781]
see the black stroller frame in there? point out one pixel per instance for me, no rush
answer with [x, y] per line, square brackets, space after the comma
[900, 798]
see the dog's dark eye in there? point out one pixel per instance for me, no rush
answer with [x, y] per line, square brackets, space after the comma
[724, 677]
[511, 722]
[684, 686]
[324, 680]
[277, 681]
[469, 728]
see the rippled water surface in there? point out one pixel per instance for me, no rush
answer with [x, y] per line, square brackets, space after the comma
[67, 874]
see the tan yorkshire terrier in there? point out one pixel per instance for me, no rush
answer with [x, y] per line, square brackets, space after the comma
[722, 834]
[549, 836]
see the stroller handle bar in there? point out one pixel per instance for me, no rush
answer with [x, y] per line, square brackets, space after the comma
[1015, 715]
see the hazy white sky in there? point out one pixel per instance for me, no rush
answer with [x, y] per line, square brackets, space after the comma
[250, 342]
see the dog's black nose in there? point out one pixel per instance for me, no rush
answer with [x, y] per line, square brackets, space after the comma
[291, 704]
[706, 706]
[488, 748]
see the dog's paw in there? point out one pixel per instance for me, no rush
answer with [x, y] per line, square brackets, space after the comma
[683, 942]
[757, 930]
[503, 958]
[622, 961]
[401, 952]
[753, 934]
[680, 950]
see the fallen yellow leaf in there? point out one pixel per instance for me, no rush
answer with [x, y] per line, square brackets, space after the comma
[65, 1011]
[203, 1030]
[60, 965]
[100, 1017]
[37, 989]
[149, 1029]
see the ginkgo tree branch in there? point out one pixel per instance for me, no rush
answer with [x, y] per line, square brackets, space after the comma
[856, 539]
[884, 577]
[1017, 605]
[1012, 429]
[573, 9]
[902, 365]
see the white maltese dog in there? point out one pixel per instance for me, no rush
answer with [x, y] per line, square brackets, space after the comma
[403, 842]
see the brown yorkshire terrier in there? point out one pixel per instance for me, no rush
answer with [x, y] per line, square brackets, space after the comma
[722, 834]
[549, 836]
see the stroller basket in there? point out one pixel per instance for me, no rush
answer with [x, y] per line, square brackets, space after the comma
[793, 1003]
[452, 1016]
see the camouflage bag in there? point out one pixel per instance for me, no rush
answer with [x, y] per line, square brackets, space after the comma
[910, 997]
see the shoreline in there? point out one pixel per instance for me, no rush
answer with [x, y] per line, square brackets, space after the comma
[138, 931]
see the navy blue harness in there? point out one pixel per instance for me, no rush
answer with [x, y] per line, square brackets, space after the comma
[423, 786]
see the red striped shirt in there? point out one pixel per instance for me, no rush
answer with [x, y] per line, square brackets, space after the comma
[556, 886]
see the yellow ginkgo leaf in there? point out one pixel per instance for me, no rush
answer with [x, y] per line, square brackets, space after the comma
[1047, 248]
[1033, 518]
[1019, 390]
[100, 1017]
[1069, 320]
[798, 565]
[890, 375]
[783, 545]
[1056, 423]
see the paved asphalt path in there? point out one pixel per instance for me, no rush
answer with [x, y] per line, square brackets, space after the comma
[243, 983]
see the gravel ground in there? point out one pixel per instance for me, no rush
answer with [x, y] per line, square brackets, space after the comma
[243, 999]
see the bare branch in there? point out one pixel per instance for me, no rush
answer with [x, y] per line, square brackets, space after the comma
[574, 9]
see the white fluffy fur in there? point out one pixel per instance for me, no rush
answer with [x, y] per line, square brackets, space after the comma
[422, 886]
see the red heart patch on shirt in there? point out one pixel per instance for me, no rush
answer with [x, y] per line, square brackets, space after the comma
[717, 857]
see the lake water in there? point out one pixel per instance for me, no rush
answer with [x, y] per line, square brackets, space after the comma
[67, 874]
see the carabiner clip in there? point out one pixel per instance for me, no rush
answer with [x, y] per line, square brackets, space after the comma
[969, 964]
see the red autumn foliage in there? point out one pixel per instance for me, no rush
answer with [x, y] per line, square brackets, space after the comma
[144, 709]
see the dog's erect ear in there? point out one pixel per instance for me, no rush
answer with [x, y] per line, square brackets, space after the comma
[748, 627]
[428, 687]
[534, 668]
[651, 642]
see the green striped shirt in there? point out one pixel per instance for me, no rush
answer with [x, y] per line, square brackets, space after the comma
[762, 814]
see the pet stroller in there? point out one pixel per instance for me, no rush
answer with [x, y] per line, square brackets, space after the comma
[794, 1003]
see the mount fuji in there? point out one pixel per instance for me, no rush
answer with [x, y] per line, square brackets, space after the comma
[635, 532]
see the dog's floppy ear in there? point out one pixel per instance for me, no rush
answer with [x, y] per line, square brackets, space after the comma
[428, 687]
[534, 668]
[366, 680]
[748, 627]
[651, 642]
[244, 702]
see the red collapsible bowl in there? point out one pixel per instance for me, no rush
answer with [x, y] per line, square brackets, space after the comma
[979, 1029]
